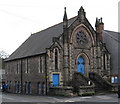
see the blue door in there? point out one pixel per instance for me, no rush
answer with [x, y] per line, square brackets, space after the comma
[56, 80]
[81, 65]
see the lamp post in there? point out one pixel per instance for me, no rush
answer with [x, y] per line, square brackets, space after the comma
[118, 44]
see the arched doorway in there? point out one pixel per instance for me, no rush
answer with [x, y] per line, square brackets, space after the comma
[39, 88]
[81, 65]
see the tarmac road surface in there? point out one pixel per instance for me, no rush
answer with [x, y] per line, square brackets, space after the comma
[31, 99]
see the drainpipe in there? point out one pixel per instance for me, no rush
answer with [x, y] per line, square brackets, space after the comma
[46, 73]
[21, 78]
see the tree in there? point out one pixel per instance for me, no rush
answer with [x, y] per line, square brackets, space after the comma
[3, 54]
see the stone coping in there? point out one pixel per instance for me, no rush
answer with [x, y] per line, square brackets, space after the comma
[62, 87]
[86, 86]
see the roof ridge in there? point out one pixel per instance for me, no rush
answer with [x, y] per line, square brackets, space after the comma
[116, 39]
[39, 45]
[111, 31]
[52, 26]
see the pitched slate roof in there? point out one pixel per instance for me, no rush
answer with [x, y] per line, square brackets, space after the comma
[112, 42]
[38, 42]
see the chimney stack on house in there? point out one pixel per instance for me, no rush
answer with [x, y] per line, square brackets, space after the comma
[99, 25]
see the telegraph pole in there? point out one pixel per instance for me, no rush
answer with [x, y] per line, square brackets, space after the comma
[118, 44]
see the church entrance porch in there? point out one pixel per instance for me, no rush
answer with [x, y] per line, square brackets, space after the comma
[83, 64]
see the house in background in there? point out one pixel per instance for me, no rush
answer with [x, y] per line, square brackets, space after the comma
[2, 72]
[49, 58]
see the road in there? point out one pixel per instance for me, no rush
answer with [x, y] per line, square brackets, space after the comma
[7, 97]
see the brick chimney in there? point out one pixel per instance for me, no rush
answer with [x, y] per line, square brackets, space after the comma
[101, 28]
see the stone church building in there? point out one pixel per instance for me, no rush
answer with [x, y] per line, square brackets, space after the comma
[49, 58]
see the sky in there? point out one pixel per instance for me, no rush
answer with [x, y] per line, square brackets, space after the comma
[21, 18]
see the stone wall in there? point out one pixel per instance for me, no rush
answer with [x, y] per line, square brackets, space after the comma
[16, 72]
[62, 91]
[86, 90]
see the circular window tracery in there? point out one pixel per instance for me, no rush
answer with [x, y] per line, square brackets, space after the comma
[81, 38]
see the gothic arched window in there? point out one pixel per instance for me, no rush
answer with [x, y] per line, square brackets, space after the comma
[104, 61]
[56, 59]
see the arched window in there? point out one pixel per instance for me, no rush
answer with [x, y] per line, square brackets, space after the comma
[18, 87]
[104, 61]
[56, 59]
[39, 88]
[43, 89]
[26, 88]
[41, 69]
[17, 69]
[10, 86]
[29, 88]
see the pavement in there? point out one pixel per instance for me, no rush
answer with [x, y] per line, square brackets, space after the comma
[8, 98]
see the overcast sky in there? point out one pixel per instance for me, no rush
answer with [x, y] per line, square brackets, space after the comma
[20, 18]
